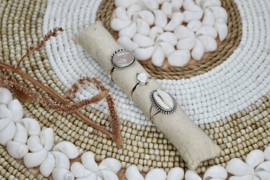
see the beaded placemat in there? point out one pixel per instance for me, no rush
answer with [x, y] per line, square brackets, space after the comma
[236, 91]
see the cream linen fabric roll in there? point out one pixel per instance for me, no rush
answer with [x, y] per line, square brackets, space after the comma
[192, 143]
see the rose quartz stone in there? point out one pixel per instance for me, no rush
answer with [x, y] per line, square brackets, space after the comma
[123, 58]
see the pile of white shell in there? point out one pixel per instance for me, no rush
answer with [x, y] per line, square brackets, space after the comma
[215, 172]
[156, 33]
[257, 166]
[24, 139]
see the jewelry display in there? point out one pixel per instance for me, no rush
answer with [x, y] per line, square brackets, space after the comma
[142, 79]
[121, 59]
[177, 127]
[163, 102]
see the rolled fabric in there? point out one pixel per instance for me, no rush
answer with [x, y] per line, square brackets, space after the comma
[193, 144]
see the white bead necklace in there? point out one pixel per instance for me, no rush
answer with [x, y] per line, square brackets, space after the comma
[230, 87]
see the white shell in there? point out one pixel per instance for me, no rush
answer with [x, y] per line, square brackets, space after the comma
[151, 4]
[123, 3]
[34, 159]
[192, 15]
[255, 158]
[167, 47]
[107, 175]
[142, 27]
[34, 143]
[177, 3]
[209, 3]
[215, 172]
[61, 160]
[47, 138]
[177, 19]
[207, 30]
[208, 18]
[62, 174]
[169, 9]
[189, 5]
[5, 96]
[155, 32]
[263, 175]
[133, 9]
[192, 175]
[209, 42]
[156, 174]
[179, 58]
[88, 160]
[110, 164]
[198, 50]
[143, 41]
[186, 43]
[167, 37]
[175, 174]
[68, 149]
[47, 165]
[220, 12]
[161, 18]
[182, 32]
[247, 177]
[158, 56]
[163, 99]
[267, 153]
[120, 12]
[162, 1]
[16, 110]
[79, 170]
[194, 25]
[32, 126]
[16, 149]
[265, 166]
[118, 24]
[144, 53]
[146, 15]
[142, 4]
[221, 28]
[8, 133]
[128, 31]
[4, 123]
[5, 112]
[132, 173]
[93, 176]
[127, 43]
[239, 168]
[21, 133]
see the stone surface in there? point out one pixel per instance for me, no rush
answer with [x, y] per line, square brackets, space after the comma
[123, 58]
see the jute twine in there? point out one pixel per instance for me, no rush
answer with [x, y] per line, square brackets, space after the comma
[237, 135]
[224, 50]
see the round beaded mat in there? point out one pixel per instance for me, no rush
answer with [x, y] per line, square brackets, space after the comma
[230, 102]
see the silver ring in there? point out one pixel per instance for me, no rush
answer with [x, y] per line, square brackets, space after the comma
[121, 59]
[169, 109]
[142, 79]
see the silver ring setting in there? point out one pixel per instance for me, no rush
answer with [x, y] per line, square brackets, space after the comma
[121, 59]
[142, 79]
[158, 97]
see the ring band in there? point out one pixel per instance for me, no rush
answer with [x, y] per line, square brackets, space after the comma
[142, 79]
[121, 59]
[163, 102]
